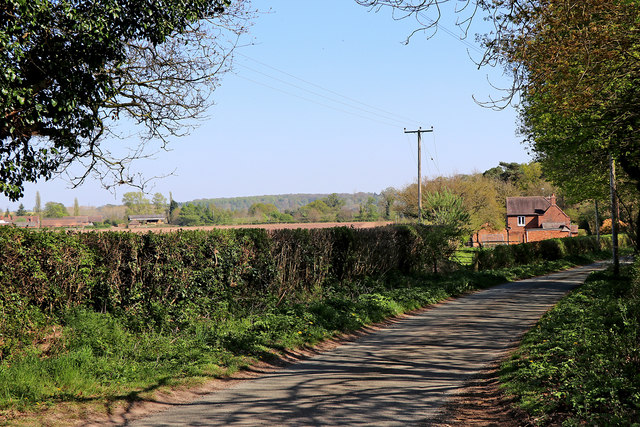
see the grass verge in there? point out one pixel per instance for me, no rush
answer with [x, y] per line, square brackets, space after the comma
[581, 363]
[95, 358]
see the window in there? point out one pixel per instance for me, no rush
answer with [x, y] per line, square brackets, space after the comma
[521, 221]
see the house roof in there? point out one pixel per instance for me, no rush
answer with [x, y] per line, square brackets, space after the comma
[533, 205]
[67, 221]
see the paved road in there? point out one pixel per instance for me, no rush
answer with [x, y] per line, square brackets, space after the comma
[400, 375]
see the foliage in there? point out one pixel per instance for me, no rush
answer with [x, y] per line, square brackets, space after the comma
[55, 210]
[605, 228]
[157, 308]
[483, 195]
[388, 197]
[37, 209]
[136, 203]
[71, 68]
[545, 250]
[580, 364]
[289, 202]
[581, 109]
[159, 203]
[21, 210]
[197, 214]
[368, 211]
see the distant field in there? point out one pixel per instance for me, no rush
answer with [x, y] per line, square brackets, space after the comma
[168, 229]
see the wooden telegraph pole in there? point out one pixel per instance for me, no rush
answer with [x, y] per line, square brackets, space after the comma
[420, 131]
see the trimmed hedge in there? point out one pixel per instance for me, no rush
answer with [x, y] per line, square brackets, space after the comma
[162, 280]
[544, 250]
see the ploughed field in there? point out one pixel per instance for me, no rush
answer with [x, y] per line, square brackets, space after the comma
[308, 225]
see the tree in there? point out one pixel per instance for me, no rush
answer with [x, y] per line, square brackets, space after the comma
[368, 210]
[389, 196]
[71, 69]
[334, 201]
[76, 207]
[481, 197]
[55, 210]
[21, 211]
[506, 172]
[577, 71]
[159, 203]
[173, 210]
[447, 219]
[136, 203]
[573, 62]
[37, 209]
[481, 200]
[263, 209]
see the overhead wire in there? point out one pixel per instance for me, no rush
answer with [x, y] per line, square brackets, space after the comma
[352, 103]
[370, 109]
[321, 95]
[435, 151]
[316, 102]
[452, 34]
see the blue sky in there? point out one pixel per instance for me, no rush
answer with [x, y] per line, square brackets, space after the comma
[317, 103]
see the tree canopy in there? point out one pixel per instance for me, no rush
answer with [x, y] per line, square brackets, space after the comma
[55, 210]
[578, 72]
[71, 68]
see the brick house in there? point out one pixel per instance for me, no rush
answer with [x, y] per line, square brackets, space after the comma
[530, 219]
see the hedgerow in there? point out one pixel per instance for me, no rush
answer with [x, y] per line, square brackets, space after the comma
[162, 280]
[544, 250]
[113, 313]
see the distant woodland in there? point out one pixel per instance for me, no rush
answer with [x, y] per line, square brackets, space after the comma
[479, 197]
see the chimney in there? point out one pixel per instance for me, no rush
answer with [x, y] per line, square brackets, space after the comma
[552, 199]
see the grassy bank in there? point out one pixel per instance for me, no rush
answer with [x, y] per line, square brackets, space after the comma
[581, 363]
[91, 358]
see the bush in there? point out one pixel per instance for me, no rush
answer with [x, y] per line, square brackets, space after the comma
[551, 249]
[580, 364]
[160, 281]
[545, 250]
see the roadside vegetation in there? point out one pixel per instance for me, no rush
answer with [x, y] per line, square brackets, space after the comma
[97, 318]
[581, 364]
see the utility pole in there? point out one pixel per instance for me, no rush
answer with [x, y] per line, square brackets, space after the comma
[420, 131]
[614, 216]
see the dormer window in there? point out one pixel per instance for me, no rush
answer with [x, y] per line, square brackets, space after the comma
[521, 222]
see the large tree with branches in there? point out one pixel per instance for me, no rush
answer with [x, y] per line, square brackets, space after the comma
[71, 68]
[576, 71]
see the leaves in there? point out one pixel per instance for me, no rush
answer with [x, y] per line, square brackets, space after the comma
[68, 68]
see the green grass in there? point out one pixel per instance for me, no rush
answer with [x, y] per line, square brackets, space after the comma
[103, 357]
[464, 255]
[581, 363]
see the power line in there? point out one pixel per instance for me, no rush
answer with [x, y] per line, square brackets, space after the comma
[398, 117]
[316, 102]
[452, 34]
[322, 96]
